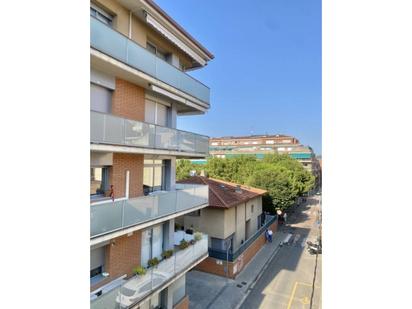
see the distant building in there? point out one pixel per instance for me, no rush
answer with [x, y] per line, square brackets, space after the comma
[261, 145]
[234, 222]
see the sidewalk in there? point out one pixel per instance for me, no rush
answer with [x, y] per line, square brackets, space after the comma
[209, 291]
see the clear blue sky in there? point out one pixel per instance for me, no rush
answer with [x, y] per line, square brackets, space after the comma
[266, 75]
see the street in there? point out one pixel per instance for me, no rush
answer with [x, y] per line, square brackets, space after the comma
[293, 277]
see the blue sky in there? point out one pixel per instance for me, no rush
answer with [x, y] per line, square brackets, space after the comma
[266, 75]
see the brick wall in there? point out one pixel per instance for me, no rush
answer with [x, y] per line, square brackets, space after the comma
[209, 265]
[117, 174]
[123, 255]
[128, 100]
[183, 304]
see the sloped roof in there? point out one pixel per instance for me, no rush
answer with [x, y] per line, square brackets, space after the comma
[222, 194]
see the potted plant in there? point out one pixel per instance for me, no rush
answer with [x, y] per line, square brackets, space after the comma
[153, 262]
[197, 236]
[139, 270]
[167, 254]
[183, 244]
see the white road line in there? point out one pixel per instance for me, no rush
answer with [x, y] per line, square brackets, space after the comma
[303, 243]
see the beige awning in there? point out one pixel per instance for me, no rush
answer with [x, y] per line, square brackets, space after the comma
[170, 36]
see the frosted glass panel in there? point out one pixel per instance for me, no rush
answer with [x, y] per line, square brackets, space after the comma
[113, 43]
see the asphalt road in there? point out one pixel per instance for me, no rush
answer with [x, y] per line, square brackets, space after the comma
[293, 278]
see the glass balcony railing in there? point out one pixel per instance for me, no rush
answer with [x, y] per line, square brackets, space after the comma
[109, 216]
[133, 290]
[118, 46]
[110, 129]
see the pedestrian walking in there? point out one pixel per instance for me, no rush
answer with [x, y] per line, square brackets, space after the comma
[266, 235]
[270, 233]
[284, 217]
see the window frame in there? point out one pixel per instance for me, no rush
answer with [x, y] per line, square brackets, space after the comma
[101, 14]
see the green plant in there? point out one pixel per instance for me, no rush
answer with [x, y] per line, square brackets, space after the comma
[139, 270]
[167, 254]
[183, 244]
[153, 262]
[197, 236]
[178, 227]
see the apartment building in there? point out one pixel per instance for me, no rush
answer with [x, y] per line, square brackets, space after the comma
[138, 87]
[261, 145]
[234, 222]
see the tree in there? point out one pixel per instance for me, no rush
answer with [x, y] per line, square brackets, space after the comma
[277, 181]
[183, 169]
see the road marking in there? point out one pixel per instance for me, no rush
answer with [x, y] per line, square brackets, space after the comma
[305, 300]
[292, 295]
[303, 244]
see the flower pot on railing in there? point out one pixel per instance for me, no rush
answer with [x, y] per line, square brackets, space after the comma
[153, 262]
[139, 271]
[167, 254]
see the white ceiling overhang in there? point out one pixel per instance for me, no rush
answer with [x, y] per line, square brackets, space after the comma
[170, 36]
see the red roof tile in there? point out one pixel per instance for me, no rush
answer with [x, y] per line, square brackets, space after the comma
[222, 194]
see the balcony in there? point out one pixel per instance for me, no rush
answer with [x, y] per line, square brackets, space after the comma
[133, 290]
[108, 216]
[111, 42]
[221, 254]
[113, 130]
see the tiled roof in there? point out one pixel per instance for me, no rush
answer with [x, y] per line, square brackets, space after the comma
[222, 194]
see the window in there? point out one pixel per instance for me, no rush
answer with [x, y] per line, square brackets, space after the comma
[97, 257]
[156, 113]
[221, 244]
[98, 180]
[101, 15]
[270, 142]
[179, 290]
[252, 208]
[153, 176]
[156, 51]
[100, 99]
[215, 144]
[152, 244]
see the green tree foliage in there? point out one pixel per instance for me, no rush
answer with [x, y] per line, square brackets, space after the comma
[283, 177]
[184, 167]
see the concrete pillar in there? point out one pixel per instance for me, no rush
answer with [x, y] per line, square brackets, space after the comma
[173, 174]
[172, 116]
[168, 234]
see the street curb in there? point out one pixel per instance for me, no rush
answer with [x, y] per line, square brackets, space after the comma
[258, 276]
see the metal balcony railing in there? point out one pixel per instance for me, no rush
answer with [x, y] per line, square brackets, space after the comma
[118, 46]
[109, 216]
[221, 254]
[114, 130]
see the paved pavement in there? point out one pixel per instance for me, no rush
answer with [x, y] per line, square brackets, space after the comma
[293, 278]
[277, 277]
[210, 291]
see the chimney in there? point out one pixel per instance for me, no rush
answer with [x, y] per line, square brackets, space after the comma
[238, 189]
